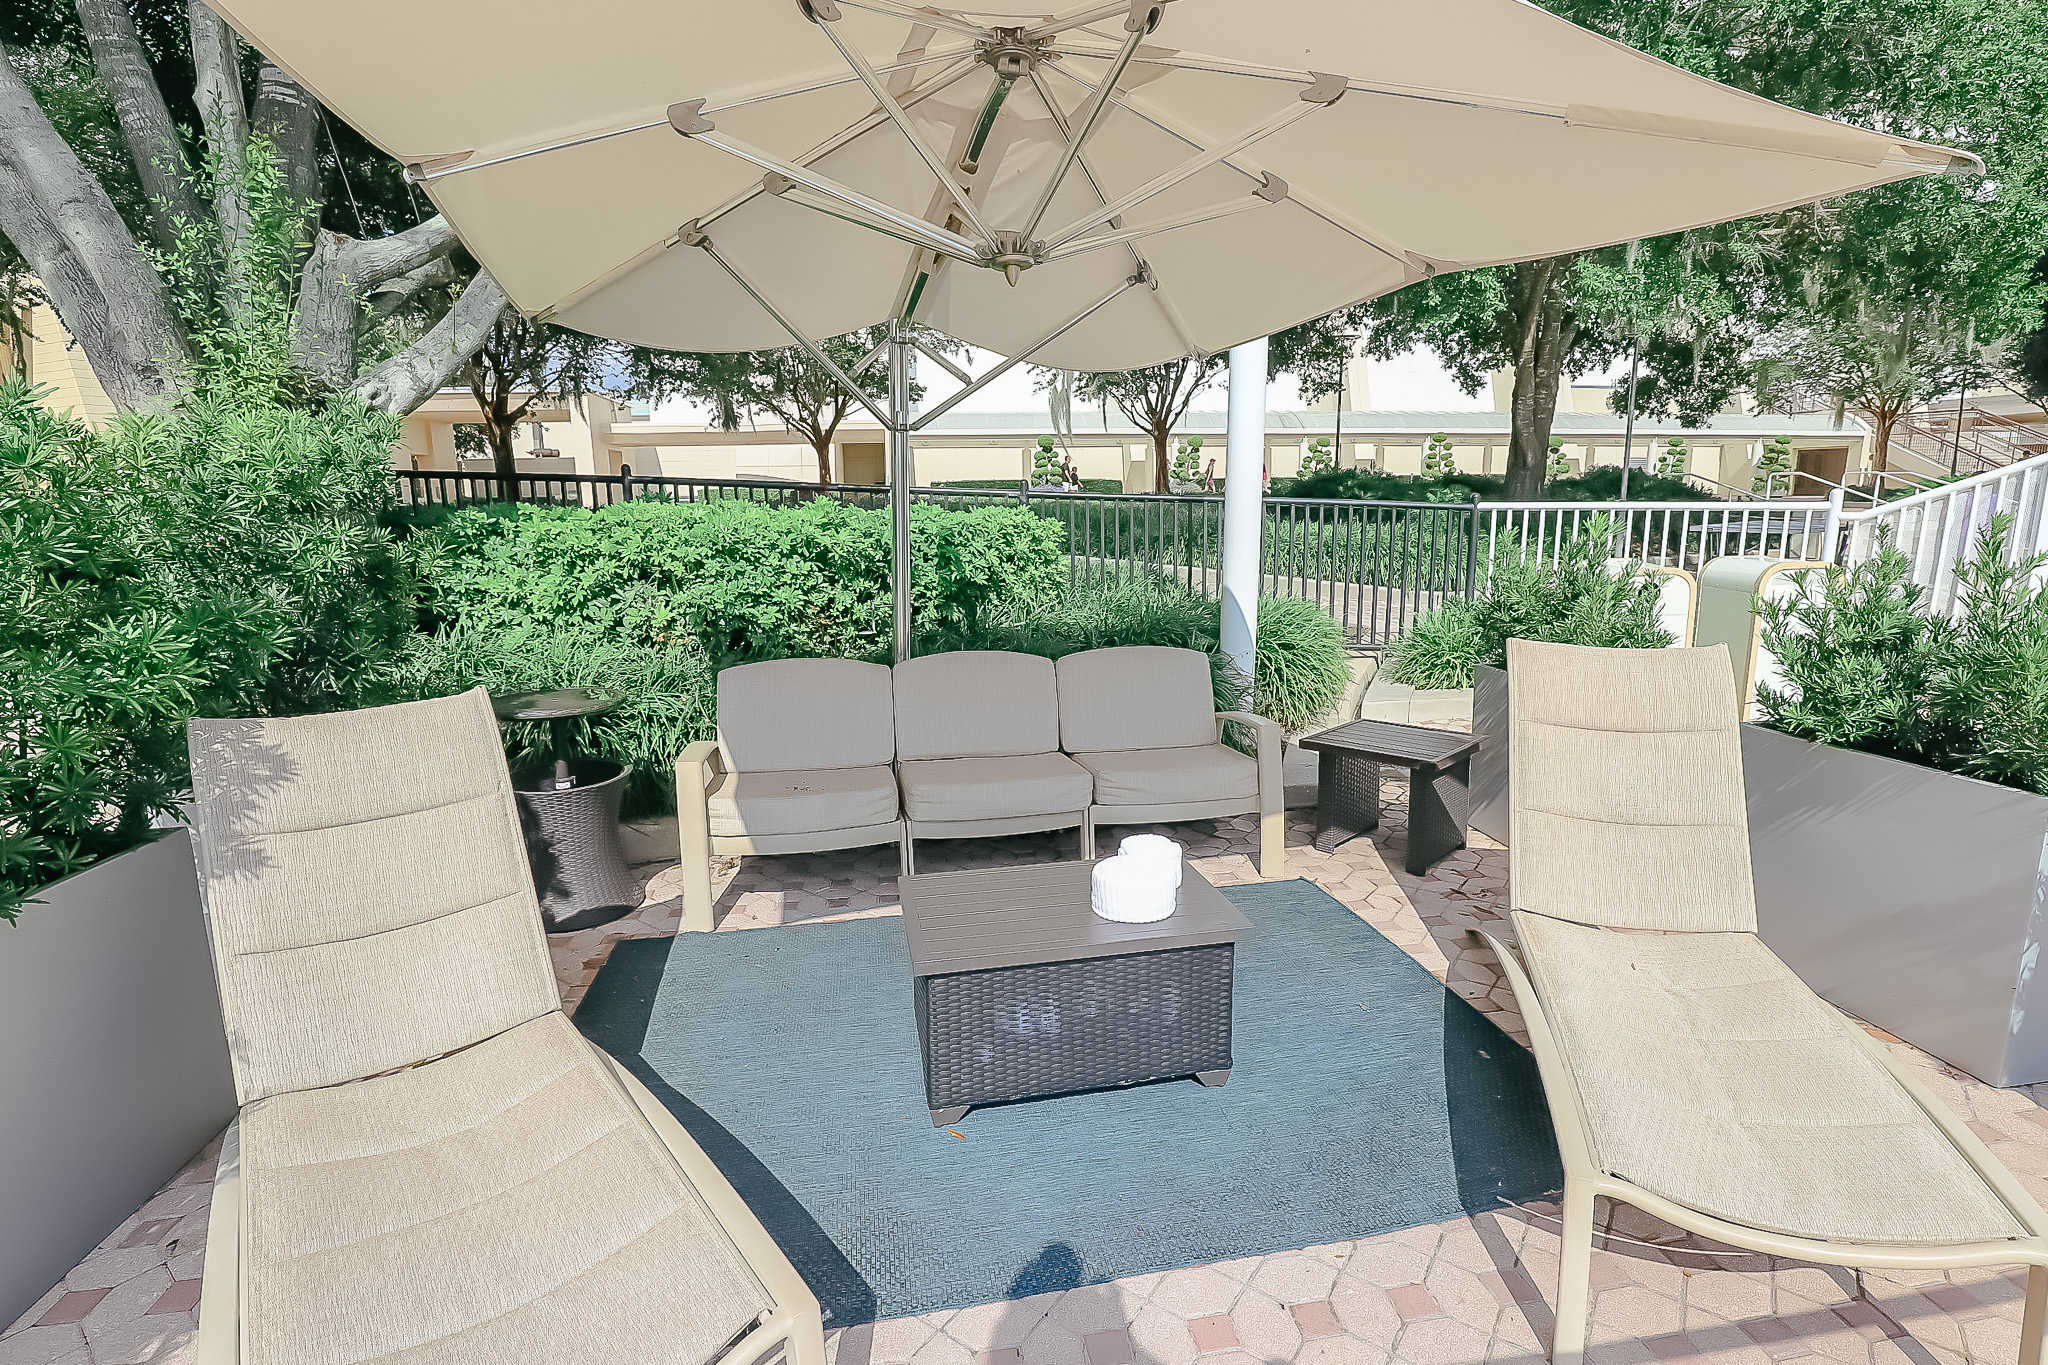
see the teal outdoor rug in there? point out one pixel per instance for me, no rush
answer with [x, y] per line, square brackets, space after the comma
[1364, 1098]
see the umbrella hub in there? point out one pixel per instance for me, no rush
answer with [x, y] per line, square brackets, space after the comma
[1012, 52]
[1014, 253]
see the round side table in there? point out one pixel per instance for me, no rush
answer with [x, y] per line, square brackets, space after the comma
[571, 817]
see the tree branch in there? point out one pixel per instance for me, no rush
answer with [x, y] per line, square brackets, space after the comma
[411, 377]
[60, 218]
[145, 119]
[393, 294]
[217, 90]
[287, 116]
[329, 315]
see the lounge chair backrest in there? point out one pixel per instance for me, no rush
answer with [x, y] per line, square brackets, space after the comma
[1136, 697]
[789, 715]
[367, 890]
[1626, 803]
[976, 703]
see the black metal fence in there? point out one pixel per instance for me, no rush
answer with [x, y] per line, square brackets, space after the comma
[1373, 566]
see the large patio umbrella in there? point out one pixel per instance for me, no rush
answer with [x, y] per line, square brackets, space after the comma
[1099, 188]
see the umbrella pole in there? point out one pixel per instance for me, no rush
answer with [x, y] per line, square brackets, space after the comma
[900, 478]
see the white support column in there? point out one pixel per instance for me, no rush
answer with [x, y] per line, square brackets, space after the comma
[901, 478]
[1244, 498]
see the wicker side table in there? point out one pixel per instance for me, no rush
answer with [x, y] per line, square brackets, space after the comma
[1439, 765]
[570, 816]
[1021, 992]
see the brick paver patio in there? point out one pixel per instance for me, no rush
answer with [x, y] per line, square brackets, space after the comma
[1456, 1293]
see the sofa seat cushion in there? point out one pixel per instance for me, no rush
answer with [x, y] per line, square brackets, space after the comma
[507, 1202]
[993, 788]
[1710, 1074]
[752, 804]
[1166, 777]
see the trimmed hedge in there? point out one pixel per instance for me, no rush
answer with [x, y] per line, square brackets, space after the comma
[746, 581]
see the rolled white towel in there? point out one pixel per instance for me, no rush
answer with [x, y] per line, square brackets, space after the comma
[1132, 891]
[1156, 848]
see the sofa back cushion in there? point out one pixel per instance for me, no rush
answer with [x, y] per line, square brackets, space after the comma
[789, 714]
[367, 890]
[1136, 697]
[976, 703]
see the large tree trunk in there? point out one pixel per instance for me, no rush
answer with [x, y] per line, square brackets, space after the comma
[331, 287]
[223, 112]
[145, 120]
[1162, 441]
[289, 118]
[412, 376]
[60, 218]
[824, 452]
[1543, 334]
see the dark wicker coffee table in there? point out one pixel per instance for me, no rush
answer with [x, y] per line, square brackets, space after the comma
[1439, 765]
[1022, 992]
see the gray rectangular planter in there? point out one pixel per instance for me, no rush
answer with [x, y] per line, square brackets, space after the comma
[1490, 762]
[1911, 897]
[113, 1064]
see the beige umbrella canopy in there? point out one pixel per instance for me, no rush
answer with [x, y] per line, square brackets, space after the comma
[1105, 187]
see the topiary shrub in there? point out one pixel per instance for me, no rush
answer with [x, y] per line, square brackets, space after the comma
[1045, 464]
[224, 558]
[1438, 459]
[1570, 597]
[1184, 474]
[1673, 458]
[1558, 466]
[1319, 457]
[1774, 460]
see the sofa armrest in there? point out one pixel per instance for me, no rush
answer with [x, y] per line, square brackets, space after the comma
[697, 771]
[1270, 745]
[219, 1339]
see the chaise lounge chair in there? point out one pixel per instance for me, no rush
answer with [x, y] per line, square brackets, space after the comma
[1689, 1072]
[431, 1164]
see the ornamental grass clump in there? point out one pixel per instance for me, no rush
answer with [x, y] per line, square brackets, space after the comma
[1569, 597]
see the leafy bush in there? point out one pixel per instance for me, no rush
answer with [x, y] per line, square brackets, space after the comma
[1438, 458]
[1774, 460]
[1602, 484]
[1867, 667]
[1673, 458]
[1320, 456]
[223, 558]
[1571, 597]
[666, 692]
[1299, 666]
[746, 581]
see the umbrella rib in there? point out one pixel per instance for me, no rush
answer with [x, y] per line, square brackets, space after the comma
[952, 23]
[1337, 220]
[922, 235]
[1194, 217]
[1312, 100]
[1144, 266]
[797, 334]
[1091, 115]
[1033, 349]
[935, 163]
[420, 175]
[1080, 19]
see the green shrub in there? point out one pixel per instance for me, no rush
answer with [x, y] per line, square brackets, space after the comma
[1300, 668]
[745, 580]
[666, 692]
[1570, 597]
[1673, 458]
[1320, 456]
[1438, 459]
[1775, 459]
[1602, 484]
[1865, 666]
[223, 559]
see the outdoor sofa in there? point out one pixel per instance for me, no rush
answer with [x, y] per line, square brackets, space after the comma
[816, 754]
[430, 1163]
[1688, 1071]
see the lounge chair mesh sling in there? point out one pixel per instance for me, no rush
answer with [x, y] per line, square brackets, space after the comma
[1689, 1072]
[431, 1165]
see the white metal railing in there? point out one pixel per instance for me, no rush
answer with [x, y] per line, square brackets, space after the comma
[1682, 535]
[1938, 527]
